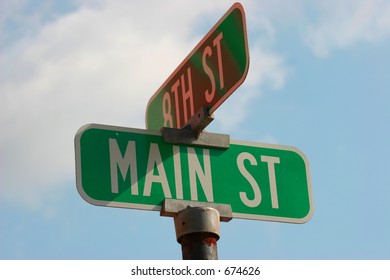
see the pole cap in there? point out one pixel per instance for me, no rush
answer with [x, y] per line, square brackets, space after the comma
[197, 220]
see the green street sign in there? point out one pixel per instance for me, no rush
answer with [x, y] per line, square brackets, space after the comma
[206, 77]
[135, 168]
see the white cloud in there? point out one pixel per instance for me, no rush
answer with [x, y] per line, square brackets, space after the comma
[341, 24]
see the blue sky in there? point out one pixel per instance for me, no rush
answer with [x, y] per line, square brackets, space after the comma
[318, 80]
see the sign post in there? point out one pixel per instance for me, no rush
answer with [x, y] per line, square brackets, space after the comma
[206, 77]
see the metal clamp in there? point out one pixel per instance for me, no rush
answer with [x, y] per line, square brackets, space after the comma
[192, 133]
[170, 207]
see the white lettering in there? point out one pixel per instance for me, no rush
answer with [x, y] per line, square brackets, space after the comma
[154, 159]
[196, 172]
[271, 161]
[177, 170]
[209, 95]
[175, 91]
[217, 43]
[256, 189]
[166, 108]
[207, 52]
[187, 95]
[128, 161]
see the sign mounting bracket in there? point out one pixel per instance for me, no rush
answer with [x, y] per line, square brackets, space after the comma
[192, 133]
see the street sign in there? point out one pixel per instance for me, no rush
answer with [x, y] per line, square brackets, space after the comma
[135, 168]
[206, 77]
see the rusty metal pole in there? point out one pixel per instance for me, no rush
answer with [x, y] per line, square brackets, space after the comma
[197, 230]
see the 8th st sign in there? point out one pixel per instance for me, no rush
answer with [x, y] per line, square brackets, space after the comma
[206, 77]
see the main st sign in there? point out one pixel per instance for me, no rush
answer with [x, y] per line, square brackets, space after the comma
[134, 168]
